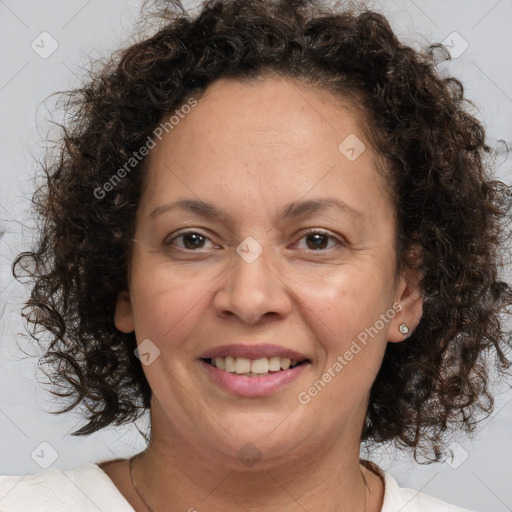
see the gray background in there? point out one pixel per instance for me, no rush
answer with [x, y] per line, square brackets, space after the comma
[478, 477]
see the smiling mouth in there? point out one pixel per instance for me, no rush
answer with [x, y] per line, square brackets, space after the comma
[254, 367]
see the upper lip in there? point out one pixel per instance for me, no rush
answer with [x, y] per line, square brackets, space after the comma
[254, 351]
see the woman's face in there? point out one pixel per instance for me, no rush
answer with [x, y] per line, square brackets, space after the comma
[264, 156]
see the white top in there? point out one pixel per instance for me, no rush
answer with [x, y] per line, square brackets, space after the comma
[89, 489]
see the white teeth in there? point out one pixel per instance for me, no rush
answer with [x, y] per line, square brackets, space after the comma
[242, 365]
[229, 364]
[260, 365]
[253, 367]
[274, 364]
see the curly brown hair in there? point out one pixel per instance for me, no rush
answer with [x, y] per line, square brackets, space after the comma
[446, 202]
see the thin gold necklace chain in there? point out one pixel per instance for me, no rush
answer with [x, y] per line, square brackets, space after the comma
[153, 510]
[136, 490]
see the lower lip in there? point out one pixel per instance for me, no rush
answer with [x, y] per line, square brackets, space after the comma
[241, 385]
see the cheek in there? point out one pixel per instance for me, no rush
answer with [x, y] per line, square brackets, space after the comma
[340, 315]
[161, 312]
[343, 303]
[168, 303]
[343, 317]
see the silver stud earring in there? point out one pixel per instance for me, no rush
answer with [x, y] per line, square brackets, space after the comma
[403, 329]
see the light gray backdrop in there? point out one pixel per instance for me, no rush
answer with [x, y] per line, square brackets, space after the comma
[45, 45]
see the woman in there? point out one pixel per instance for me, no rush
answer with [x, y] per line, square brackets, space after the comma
[273, 226]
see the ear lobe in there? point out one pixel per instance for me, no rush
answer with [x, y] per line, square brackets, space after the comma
[411, 301]
[123, 316]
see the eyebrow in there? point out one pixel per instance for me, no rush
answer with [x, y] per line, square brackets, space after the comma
[291, 210]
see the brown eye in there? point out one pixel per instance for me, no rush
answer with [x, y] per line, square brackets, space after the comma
[191, 241]
[318, 240]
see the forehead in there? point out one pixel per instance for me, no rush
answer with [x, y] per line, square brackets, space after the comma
[269, 111]
[268, 135]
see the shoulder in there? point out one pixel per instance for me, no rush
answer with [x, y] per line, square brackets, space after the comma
[82, 489]
[411, 500]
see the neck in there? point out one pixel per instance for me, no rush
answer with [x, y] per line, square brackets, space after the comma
[173, 471]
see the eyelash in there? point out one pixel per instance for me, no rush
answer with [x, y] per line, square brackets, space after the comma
[312, 231]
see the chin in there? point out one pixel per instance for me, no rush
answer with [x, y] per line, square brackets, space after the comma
[271, 442]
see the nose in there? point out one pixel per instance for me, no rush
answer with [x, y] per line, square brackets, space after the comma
[252, 289]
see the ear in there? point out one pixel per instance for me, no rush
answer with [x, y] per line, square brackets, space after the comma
[123, 316]
[408, 296]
